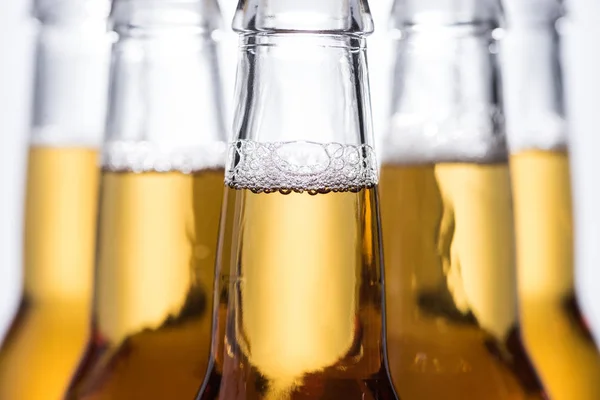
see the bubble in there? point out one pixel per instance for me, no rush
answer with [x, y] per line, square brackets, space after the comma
[300, 166]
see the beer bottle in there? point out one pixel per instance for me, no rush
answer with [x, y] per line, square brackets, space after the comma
[579, 33]
[160, 202]
[554, 332]
[48, 335]
[298, 309]
[446, 207]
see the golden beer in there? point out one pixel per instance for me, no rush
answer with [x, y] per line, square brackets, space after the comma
[48, 336]
[155, 271]
[300, 313]
[557, 340]
[448, 239]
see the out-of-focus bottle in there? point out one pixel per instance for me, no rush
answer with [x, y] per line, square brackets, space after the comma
[160, 203]
[47, 338]
[299, 294]
[554, 332]
[580, 34]
[447, 216]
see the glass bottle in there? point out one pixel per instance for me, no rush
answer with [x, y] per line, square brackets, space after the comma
[299, 311]
[48, 334]
[554, 331]
[446, 208]
[160, 203]
[580, 33]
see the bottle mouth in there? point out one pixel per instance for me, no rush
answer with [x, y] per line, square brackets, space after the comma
[203, 15]
[70, 11]
[423, 13]
[308, 16]
[533, 12]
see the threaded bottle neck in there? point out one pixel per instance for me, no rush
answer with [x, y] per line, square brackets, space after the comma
[318, 16]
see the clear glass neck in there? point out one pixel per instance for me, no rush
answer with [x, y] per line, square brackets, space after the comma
[71, 78]
[311, 92]
[166, 108]
[446, 102]
[303, 87]
[532, 12]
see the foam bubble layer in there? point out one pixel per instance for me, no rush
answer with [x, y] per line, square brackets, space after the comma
[54, 136]
[148, 157]
[300, 166]
[542, 131]
[470, 137]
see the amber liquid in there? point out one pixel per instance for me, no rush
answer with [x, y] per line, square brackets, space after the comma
[556, 338]
[451, 289]
[300, 299]
[153, 292]
[48, 336]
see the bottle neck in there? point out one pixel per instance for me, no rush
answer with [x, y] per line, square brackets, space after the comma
[71, 79]
[166, 100]
[532, 13]
[446, 104]
[535, 118]
[303, 87]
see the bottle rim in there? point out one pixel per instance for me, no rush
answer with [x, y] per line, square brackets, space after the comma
[343, 17]
[202, 14]
[66, 12]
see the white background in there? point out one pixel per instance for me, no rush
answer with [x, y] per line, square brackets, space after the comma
[17, 35]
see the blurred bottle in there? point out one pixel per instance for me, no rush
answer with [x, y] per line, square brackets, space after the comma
[299, 300]
[48, 335]
[554, 331]
[446, 207]
[160, 202]
[580, 33]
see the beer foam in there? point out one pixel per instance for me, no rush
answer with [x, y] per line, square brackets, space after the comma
[542, 131]
[140, 156]
[54, 136]
[300, 166]
[422, 150]
[476, 137]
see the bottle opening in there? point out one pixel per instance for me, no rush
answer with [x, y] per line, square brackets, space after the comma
[67, 12]
[203, 14]
[409, 13]
[532, 13]
[319, 16]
